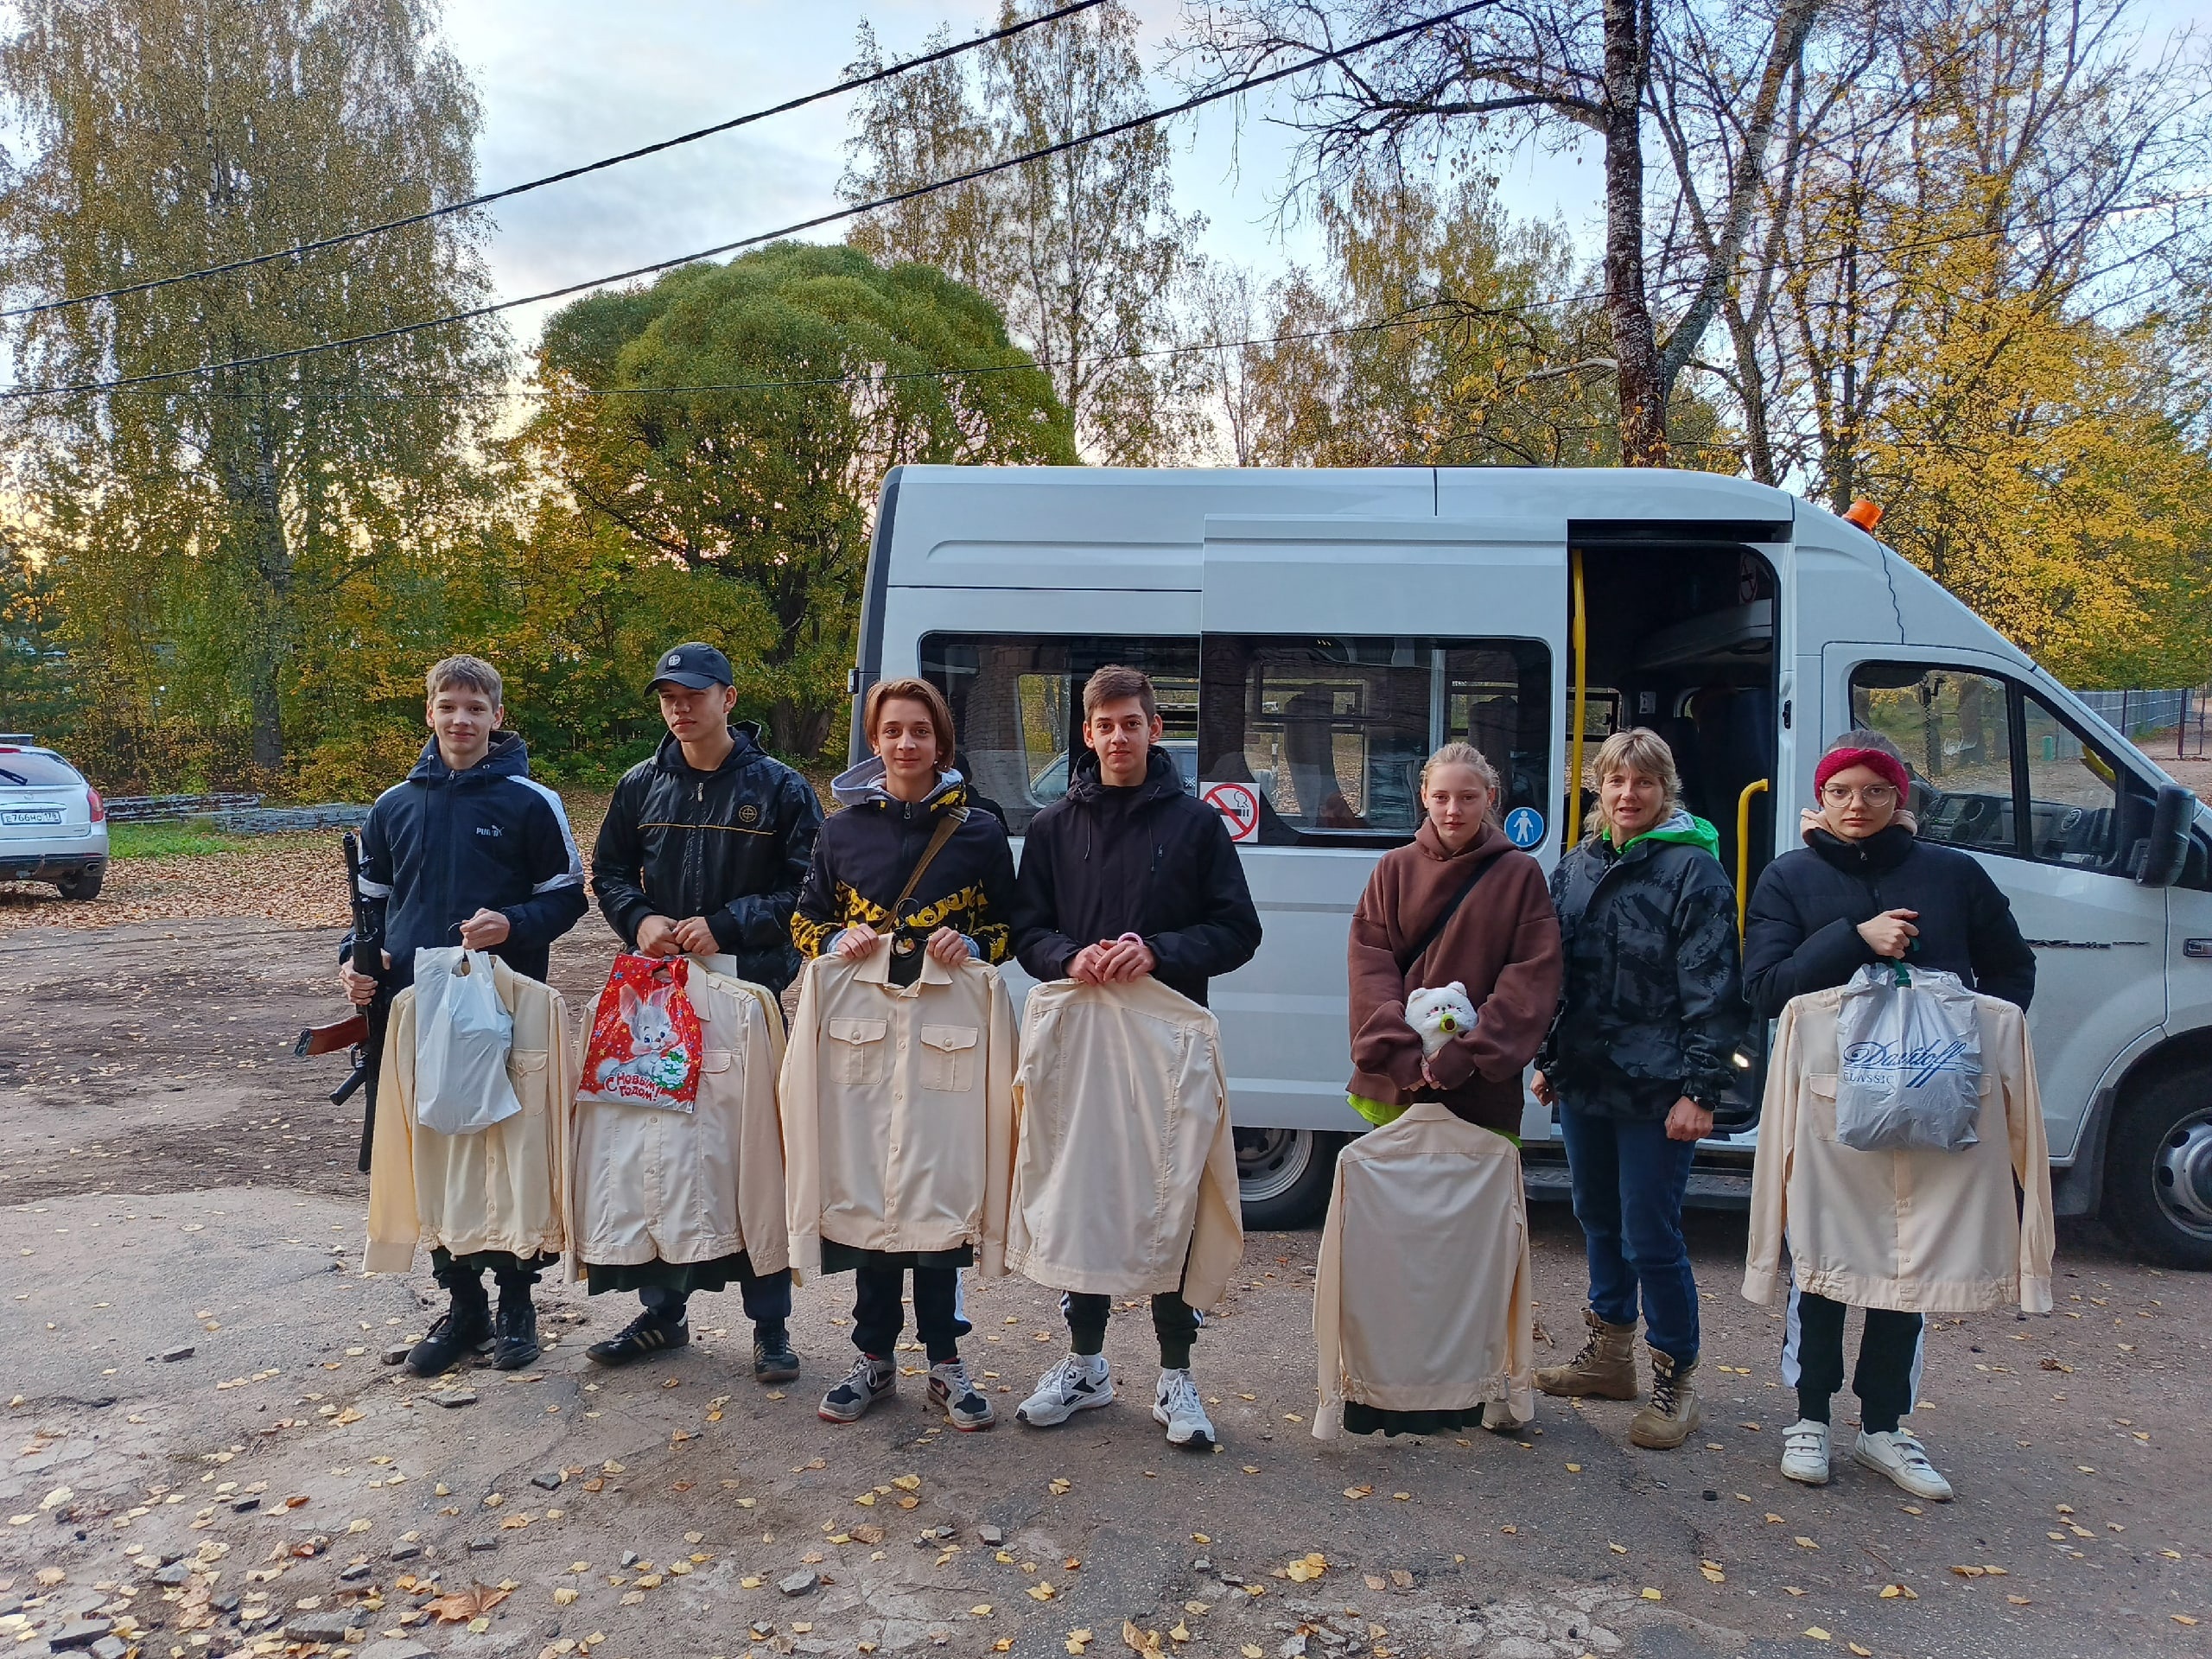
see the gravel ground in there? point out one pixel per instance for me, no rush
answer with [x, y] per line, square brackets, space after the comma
[154, 1102]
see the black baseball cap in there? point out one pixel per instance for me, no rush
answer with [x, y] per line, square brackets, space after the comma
[695, 667]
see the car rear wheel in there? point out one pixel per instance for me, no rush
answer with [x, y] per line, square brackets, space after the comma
[1283, 1176]
[2158, 1171]
[83, 884]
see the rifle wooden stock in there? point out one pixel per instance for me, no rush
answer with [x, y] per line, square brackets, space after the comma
[348, 1032]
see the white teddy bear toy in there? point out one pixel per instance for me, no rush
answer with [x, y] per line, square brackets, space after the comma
[1440, 1015]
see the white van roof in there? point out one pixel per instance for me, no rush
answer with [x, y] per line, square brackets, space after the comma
[1127, 528]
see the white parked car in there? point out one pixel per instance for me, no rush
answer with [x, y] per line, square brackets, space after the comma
[53, 825]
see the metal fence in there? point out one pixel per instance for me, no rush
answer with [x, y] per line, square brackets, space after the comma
[2158, 719]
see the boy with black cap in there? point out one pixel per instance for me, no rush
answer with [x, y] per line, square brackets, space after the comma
[702, 854]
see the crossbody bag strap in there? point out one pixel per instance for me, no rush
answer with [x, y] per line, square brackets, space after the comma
[953, 818]
[1435, 930]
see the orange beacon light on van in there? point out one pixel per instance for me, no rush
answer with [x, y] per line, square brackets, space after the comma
[1863, 513]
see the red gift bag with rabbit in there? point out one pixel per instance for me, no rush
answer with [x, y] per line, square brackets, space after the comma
[646, 1041]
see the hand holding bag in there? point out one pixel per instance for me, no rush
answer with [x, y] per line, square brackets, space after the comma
[1910, 1061]
[646, 1041]
[462, 1036]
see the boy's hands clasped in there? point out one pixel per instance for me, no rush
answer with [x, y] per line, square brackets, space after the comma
[661, 935]
[1113, 961]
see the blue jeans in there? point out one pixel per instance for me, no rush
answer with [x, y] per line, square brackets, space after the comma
[1627, 1180]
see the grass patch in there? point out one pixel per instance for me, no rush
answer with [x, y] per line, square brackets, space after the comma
[186, 840]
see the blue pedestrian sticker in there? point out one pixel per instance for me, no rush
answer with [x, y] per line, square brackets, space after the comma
[1524, 826]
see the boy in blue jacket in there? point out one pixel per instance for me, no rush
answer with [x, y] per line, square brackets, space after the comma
[469, 850]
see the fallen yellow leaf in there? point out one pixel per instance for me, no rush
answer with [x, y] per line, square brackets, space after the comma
[1649, 1594]
[908, 1483]
[1816, 1633]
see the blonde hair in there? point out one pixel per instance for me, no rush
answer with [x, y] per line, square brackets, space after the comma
[1467, 755]
[1638, 750]
[470, 673]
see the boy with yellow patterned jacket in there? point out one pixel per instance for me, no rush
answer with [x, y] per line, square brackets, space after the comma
[910, 867]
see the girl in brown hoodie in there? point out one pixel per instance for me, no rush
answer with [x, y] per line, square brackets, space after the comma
[1501, 943]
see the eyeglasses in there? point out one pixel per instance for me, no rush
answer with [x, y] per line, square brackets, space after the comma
[1877, 795]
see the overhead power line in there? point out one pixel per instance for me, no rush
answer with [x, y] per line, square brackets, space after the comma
[300, 250]
[1441, 311]
[1114, 129]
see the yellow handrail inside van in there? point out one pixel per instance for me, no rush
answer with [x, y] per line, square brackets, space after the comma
[1580, 638]
[1757, 786]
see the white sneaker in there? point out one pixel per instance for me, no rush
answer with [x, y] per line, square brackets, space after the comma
[1904, 1460]
[1079, 1383]
[1805, 1451]
[1176, 1405]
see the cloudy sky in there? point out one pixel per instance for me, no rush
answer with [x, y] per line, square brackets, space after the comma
[564, 81]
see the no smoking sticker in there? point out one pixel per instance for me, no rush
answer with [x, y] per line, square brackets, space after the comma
[1239, 806]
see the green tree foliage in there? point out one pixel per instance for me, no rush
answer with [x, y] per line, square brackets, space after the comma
[1084, 251]
[203, 533]
[718, 442]
[1478, 359]
[35, 693]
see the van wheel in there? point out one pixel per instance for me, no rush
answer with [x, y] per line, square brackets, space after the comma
[2158, 1171]
[1283, 1176]
[83, 884]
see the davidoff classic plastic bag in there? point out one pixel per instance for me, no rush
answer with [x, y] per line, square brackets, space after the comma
[462, 1035]
[1910, 1075]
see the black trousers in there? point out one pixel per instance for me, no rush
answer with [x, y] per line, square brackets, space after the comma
[1174, 1321]
[879, 1315]
[463, 1276]
[1883, 1378]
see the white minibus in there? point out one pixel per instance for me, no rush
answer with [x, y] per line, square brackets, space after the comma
[1314, 634]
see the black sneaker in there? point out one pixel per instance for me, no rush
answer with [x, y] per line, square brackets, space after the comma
[457, 1336]
[646, 1334]
[870, 1380]
[773, 1358]
[517, 1329]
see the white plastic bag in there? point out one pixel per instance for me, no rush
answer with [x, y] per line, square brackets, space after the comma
[462, 1036]
[1910, 1047]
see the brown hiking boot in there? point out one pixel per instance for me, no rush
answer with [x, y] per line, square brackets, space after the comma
[1605, 1370]
[1673, 1415]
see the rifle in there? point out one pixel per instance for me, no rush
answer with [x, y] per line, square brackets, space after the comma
[363, 1032]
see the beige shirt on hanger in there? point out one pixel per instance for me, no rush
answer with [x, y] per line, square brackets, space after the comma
[1422, 1298]
[898, 1108]
[498, 1189]
[1928, 1232]
[689, 1186]
[1125, 1173]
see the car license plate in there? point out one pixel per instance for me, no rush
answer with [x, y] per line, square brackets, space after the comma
[32, 815]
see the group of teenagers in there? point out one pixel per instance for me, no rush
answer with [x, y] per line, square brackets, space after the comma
[1625, 980]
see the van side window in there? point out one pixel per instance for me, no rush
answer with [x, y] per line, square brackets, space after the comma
[1017, 706]
[1994, 766]
[1954, 731]
[2073, 801]
[1333, 731]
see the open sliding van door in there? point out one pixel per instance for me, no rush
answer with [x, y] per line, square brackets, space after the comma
[1335, 656]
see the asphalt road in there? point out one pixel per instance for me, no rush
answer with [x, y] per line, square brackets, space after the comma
[170, 1178]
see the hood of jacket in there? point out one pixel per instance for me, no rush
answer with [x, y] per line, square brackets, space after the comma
[1682, 826]
[744, 735]
[1162, 778]
[862, 786]
[508, 757]
[1489, 841]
